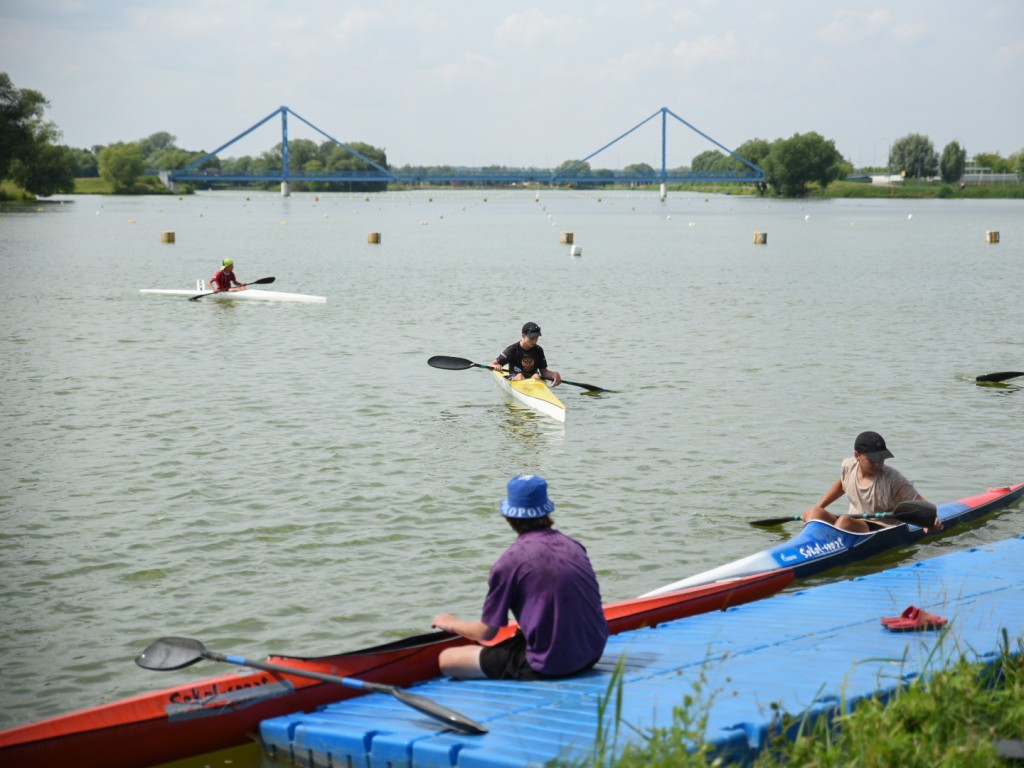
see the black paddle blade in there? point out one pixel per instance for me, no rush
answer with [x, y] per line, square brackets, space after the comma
[262, 281]
[770, 521]
[451, 363]
[169, 653]
[439, 712]
[588, 387]
[920, 513]
[1001, 376]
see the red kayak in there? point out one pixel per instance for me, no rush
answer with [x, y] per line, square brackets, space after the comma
[222, 712]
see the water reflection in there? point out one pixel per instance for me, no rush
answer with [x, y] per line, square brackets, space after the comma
[527, 427]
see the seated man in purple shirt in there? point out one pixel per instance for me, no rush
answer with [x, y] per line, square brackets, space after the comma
[545, 579]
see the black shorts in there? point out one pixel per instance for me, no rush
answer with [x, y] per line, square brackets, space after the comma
[507, 661]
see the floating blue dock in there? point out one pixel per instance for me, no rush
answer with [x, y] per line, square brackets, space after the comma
[801, 653]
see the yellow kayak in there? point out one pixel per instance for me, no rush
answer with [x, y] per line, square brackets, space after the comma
[534, 393]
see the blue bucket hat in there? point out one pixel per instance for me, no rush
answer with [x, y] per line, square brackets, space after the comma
[527, 498]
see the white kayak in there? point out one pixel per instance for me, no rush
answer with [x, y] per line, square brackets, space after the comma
[249, 294]
[534, 393]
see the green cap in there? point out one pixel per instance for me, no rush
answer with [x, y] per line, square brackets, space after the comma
[228, 263]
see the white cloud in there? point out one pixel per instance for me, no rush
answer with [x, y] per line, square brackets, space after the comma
[359, 24]
[853, 26]
[533, 28]
[469, 69]
[705, 49]
[684, 56]
[1010, 55]
[908, 33]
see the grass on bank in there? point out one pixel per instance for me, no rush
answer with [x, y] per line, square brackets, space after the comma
[953, 718]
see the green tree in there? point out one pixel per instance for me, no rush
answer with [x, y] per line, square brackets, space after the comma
[710, 161]
[29, 154]
[639, 169]
[313, 167]
[993, 161]
[914, 156]
[155, 145]
[300, 152]
[579, 170]
[952, 162]
[755, 150]
[84, 164]
[21, 111]
[48, 171]
[1019, 165]
[341, 159]
[121, 165]
[794, 163]
[166, 158]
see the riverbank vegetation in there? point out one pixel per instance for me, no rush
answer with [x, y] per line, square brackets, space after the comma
[962, 717]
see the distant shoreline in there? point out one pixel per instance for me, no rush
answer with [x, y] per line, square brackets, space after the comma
[906, 190]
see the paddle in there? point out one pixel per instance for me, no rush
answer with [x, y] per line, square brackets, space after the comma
[461, 363]
[1001, 376]
[919, 513]
[261, 281]
[178, 652]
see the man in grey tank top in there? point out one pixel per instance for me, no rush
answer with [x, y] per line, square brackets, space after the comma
[869, 484]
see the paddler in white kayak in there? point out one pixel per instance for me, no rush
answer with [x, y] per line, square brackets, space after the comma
[224, 277]
[525, 358]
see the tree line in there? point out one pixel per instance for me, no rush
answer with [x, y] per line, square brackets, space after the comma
[32, 157]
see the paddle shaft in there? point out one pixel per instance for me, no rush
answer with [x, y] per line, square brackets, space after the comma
[271, 667]
[261, 281]
[460, 363]
[420, 703]
[915, 515]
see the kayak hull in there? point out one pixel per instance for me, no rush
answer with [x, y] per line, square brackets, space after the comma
[820, 546]
[533, 393]
[222, 712]
[249, 294]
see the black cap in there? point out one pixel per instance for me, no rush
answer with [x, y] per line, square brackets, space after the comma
[531, 329]
[872, 445]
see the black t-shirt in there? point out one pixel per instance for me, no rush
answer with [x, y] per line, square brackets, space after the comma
[519, 360]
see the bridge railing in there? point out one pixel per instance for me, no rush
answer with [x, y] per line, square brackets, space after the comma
[466, 175]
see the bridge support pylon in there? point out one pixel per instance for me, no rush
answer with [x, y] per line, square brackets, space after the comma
[165, 178]
[286, 189]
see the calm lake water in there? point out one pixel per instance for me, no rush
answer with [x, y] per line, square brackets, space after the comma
[295, 479]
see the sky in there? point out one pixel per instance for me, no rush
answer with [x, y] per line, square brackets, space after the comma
[530, 84]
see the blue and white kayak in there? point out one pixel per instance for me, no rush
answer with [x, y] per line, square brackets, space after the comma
[820, 545]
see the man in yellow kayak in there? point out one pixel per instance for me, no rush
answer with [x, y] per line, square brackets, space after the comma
[525, 358]
[225, 277]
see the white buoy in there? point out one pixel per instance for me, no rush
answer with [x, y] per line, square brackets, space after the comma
[576, 250]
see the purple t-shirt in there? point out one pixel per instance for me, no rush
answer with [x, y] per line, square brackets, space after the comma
[545, 579]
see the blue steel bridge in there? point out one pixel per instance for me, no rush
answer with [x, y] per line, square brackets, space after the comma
[373, 172]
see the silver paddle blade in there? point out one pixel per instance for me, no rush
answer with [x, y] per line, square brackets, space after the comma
[171, 653]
